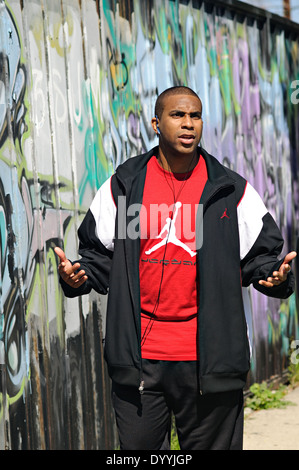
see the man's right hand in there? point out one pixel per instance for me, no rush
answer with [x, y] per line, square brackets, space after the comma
[67, 270]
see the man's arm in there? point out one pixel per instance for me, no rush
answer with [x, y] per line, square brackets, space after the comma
[96, 247]
[261, 244]
[69, 272]
[281, 275]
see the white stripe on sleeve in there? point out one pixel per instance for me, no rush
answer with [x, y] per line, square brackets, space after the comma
[104, 211]
[251, 211]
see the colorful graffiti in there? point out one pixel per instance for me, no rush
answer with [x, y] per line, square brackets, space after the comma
[78, 83]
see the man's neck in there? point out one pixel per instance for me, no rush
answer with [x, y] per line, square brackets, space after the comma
[177, 163]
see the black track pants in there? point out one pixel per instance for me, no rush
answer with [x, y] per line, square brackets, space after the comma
[203, 422]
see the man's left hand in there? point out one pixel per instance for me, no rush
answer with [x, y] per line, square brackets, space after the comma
[280, 276]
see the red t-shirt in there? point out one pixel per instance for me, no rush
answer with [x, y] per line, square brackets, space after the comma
[168, 262]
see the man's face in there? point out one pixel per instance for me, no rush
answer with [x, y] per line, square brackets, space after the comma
[180, 124]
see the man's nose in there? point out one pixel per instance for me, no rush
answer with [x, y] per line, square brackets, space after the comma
[187, 121]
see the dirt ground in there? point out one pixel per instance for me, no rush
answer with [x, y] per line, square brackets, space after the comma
[273, 429]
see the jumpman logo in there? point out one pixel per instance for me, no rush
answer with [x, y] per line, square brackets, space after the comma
[224, 214]
[169, 228]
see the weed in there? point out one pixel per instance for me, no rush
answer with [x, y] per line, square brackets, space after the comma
[174, 443]
[264, 397]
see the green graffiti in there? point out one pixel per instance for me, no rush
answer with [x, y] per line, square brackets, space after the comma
[97, 168]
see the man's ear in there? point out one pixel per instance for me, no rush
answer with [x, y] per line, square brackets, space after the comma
[155, 125]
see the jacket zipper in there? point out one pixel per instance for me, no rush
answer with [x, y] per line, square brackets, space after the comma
[213, 193]
[141, 384]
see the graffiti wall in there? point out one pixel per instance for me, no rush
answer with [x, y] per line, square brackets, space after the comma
[78, 83]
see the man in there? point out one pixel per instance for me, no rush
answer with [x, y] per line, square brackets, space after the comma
[176, 336]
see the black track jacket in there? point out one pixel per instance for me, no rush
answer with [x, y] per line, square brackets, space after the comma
[237, 251]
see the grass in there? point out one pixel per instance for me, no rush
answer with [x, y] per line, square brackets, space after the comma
[264, 397]
[174, 443]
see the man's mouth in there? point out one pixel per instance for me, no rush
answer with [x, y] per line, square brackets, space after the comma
[187, 138]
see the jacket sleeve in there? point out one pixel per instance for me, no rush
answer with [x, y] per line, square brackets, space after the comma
[261, 244]
[96, 244]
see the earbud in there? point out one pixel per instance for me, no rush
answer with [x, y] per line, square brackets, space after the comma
[158, 130]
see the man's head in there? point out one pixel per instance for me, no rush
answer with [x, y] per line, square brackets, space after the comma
[175, 90]
[178, 121]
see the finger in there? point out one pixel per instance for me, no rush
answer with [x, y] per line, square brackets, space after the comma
[74, 280]
[59, 252]
[77, 280]
[270, 282]
[275, 281]
[71, 270]
[68, 270]
[75, 277]
[289, 257]
[283, 272]
[266, 283]
[286, 268]
[280, 275]
[80, 282]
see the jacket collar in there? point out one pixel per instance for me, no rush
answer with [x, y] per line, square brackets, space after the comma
[217, 172]
[128, 170]
[218, 175]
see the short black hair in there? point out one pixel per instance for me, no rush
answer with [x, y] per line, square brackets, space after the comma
[175, 90]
